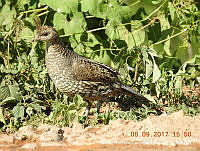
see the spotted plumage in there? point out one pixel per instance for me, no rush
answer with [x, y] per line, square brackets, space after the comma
[73, 74]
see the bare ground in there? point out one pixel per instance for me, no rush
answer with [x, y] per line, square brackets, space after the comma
[174, 132]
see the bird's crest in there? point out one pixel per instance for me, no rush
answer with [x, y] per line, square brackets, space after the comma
[37, 22]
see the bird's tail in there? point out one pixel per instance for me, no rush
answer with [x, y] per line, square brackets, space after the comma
[130, 92]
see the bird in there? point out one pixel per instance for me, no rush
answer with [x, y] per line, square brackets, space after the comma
[74, 74]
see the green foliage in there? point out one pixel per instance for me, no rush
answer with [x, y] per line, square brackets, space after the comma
[154, 44]
[65, 113]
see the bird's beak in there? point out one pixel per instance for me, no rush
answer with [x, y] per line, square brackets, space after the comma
[36, 39]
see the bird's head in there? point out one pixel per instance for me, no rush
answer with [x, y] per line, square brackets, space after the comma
[46, 33]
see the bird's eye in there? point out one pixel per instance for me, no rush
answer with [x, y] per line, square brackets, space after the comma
[45, 34]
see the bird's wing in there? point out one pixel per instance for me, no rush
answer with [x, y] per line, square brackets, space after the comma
[88, 70]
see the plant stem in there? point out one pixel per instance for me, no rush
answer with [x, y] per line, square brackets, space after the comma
[34, 10]
[169, 37]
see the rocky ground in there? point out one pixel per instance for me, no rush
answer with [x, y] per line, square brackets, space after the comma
[175, 131]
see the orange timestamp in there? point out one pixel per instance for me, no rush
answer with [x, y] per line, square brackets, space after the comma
[161, 134]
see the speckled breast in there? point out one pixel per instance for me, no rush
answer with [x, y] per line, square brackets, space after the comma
[58, 69]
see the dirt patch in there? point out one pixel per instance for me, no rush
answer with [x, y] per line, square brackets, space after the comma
[191, 92]
[155, 131]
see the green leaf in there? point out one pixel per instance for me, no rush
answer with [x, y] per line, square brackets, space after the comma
[111, 10]
[7, 16]
[66, 6]
[7, 70]
[90, 40]
[27, 34]
[36, 107]
[1, 116]
[149, 68]
[20, 4]
[111, 30]
[145, 55]
[71, 106]
[15, 92]
[29, 111]
[77, 23]
[156, 72]
[4, 92]
[167, 47]
[179, 82]
[182, 53]
[134, 36]
[8, 100]
[133, 4]
[153, 53]
[103, 57]
[10, 91]
[18, 111]
[158, 89]
[164, 22]
[72, 116]
[78, 100]
[91, 6]
[59, 21]
[172, 11]
[95, 7]
[137, 35]
[195, 44]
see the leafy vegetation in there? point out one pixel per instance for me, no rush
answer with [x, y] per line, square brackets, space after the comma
[154, 44]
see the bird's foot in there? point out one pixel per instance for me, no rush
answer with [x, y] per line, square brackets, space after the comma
[86, 123]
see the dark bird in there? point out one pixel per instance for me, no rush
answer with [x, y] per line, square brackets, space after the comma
[74, 74]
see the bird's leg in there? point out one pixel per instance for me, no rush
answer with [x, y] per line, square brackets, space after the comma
[107, 107]
[87, 113]
[99, 103]
[87, 108]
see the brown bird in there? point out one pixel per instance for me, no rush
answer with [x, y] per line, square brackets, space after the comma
[74, 74]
